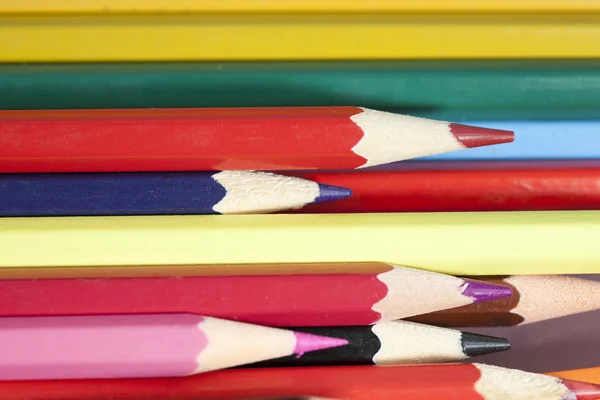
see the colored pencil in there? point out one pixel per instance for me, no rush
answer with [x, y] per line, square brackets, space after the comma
[225, 192]
[148, 271]
[487, 243]
[238, 6]
[392, 343]
[546, 140]
[591, 375]
[381, 294]
[140, 346]
[448, 90]
[570, 295]
[286, 398]
[464, 186]
[224, 139]
[535, 298]
[303, 36]
[419, 382]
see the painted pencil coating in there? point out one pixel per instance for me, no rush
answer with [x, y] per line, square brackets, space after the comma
[226, 192]
[535, 298]
[484, 186]
[454, 243]
[133, 346]
[308, 300]
[558, 295]
[268, 36]
[149, 271]
[591, 375]
[304, 6]
[461, 90]
[224, 139]
[420, 382]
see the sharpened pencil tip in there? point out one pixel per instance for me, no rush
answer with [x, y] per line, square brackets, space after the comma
[582, 390]
[306, 342]
[474, 345]
[473, 136]
[330, 193]
[484, 291]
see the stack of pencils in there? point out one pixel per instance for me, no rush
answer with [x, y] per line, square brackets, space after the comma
[242, 200]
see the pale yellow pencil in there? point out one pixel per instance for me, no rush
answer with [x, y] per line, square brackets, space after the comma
[457, 243]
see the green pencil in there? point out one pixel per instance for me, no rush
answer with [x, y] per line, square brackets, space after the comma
[451, 90]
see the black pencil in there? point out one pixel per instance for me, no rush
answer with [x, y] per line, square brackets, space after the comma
[393, 343]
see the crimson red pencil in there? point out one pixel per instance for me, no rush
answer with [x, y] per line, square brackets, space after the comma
[224, 139]
[463, 187]
[384, 293]
[423, 382]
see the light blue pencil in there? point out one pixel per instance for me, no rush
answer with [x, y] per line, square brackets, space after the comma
[542, 140]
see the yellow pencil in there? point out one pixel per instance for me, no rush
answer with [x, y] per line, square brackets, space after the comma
[237, 6]
[301, 36]
[457, 243]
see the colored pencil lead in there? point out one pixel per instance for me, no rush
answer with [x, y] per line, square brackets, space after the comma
[474, 136]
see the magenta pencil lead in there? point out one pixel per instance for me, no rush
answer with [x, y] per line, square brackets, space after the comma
[483, 291]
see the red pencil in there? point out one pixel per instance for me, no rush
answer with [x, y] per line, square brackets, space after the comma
[460, 186]
[384, 293]
[423, 382]
[224, 139]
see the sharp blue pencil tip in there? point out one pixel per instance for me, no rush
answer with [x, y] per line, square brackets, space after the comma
[330, 193]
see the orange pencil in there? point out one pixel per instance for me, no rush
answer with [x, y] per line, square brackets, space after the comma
[591, 375]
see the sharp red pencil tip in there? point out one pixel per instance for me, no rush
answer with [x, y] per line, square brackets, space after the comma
[473, 136]
[484, 291]
[582, 390]
[306, 342]
[330, 193]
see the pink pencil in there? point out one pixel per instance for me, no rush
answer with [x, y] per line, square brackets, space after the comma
[140, 346]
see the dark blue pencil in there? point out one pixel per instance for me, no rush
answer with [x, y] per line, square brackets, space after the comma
[225, 192]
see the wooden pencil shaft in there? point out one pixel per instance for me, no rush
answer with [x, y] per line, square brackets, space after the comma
[23, 292]
[447, 90]
[335, 299]
[392, 343]
[270, 37]
[145, 271]
[163, 193]
[591, 375]
[493, 189]
[237, 6]
[139, 345]
[534, 298]
[498, 313]
[424, 382]
[464, 243]
[258, 138]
